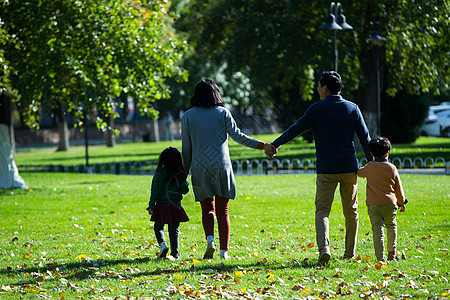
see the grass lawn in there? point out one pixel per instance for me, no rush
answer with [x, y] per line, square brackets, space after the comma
[88, 236]
[139, 152]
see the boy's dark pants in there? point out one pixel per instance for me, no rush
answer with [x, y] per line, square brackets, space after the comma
[174, 230]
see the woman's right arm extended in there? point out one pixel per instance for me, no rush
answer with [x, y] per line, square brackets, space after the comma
[238, 136]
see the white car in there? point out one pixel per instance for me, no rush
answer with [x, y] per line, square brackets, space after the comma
[438, 121]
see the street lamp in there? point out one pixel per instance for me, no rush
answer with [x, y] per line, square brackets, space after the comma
[377, 41]
[335, 22]
[86, 143]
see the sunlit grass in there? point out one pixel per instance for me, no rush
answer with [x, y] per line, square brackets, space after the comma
[139, 152]
[89, 235]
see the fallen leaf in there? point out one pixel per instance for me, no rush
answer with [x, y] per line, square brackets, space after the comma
[298, 287]
[81, 256]
[6, 288]
[238, 273]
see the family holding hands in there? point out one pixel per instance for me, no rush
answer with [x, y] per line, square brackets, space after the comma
[205, 156]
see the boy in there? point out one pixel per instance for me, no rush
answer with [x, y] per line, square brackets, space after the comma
[384, 194]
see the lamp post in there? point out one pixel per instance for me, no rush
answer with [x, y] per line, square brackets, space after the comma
[335, 22]
[377, 41]
[86, 143]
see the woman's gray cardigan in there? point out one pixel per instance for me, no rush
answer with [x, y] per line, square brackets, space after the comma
[205, 152]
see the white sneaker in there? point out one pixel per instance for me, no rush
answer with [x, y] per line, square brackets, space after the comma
[163, 249]
[209, 253]
[224, 254]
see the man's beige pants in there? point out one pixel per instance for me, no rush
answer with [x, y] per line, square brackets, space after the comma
[325, 188]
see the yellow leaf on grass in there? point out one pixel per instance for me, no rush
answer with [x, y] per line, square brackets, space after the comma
[238, 273]
[123, 267]
[81, 256]
[195, 261]
[155, 277]
[248, 198]
[244, 291]
[178, 276]
[271, 277]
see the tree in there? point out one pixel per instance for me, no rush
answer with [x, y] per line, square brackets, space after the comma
[278, 45]
[75, 55]
[79, 54]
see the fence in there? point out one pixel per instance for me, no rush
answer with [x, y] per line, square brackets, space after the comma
[240, 167]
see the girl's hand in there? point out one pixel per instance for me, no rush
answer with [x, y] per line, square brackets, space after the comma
[150, 211]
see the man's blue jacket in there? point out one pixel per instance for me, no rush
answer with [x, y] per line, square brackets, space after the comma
[334, 121]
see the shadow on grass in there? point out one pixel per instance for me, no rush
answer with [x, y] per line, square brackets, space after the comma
[88, 269]
[14, 192]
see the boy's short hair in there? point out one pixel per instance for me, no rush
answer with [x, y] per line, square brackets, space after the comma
[332, 80]
[379, 146]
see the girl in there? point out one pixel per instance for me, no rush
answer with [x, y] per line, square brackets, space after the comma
[168, 186]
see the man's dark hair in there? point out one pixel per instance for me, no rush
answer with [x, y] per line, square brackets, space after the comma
[206, 94]
[379, 146]
[332, 80]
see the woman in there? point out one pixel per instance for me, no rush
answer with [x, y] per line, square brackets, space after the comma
[205, 130]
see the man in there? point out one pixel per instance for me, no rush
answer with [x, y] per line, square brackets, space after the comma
[334, 121]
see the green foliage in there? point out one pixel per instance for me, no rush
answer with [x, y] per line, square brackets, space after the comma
[277, 45]
[4, 64]
[280, 45]
[416, 51]
[86, 54]
[89, 236]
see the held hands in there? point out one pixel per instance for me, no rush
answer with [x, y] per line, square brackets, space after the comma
[150, 211]
[270, 150]
[402, 208]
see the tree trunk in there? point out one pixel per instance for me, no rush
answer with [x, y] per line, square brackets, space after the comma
[366, 96]
[154, 131]
[63, 127]
[110, 137]
[9, 174]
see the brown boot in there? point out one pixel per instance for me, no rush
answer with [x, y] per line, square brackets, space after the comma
[392, 255]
